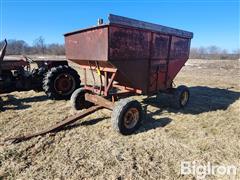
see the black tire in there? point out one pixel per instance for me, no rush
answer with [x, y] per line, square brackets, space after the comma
[181, 97]
[1, 104]
[122, 116]
[60, 82]
[78, 101]
[37, 79]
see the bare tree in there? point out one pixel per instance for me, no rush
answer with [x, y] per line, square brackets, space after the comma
[55, 49]
[213, 52]
[202, 52]
[39, 45]
[16, 47]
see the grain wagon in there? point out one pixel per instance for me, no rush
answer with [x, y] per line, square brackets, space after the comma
[130, 57]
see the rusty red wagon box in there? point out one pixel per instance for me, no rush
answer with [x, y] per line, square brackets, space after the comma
[146, 56]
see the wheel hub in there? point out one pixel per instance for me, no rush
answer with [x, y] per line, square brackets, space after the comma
[64, 84]
[131, 118]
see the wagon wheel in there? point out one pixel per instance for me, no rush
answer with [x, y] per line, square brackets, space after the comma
[127, 116]
[181, 97]
[60, 82]
[78, 101]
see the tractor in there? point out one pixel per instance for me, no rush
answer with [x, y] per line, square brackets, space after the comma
[55, 77]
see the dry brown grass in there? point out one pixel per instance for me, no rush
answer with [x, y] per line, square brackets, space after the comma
[207, 130]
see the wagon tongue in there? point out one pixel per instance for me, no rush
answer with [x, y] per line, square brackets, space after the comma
[55, 127]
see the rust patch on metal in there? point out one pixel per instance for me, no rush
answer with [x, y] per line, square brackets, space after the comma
[128, 44]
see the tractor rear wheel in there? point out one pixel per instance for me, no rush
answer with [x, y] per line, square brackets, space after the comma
[60, 82]
[1, 104]
[180, 97]
[78, 101]
[127, 116]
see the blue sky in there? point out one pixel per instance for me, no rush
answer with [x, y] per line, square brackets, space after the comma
[214, 22]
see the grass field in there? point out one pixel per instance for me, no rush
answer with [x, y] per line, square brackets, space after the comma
[208, 130]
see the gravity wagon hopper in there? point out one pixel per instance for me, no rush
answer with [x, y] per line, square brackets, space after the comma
[127, 57]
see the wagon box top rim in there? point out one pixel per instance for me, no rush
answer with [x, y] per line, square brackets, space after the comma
[129, 22]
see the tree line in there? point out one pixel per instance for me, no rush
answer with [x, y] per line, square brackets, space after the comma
[213, 52]
[20, 47]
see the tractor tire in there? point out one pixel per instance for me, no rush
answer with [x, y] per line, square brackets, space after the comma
[1, 104]
[37, 77]
[181, 97]
[78, 101]
[60, 82]
[127, 116]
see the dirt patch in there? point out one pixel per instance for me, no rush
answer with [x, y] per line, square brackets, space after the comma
[208, 130]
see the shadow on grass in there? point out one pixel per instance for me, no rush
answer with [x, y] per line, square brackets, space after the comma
[149, 122]
[202, 99]
[18, 104]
